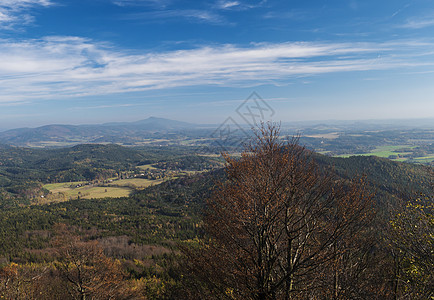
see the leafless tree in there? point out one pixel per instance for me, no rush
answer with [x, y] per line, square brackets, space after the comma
[278, 226]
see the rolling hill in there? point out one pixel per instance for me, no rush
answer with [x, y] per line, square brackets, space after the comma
[68, 135]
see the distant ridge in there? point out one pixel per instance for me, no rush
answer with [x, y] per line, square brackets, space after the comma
[117, 132]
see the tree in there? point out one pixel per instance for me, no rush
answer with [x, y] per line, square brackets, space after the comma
[11, 284]
[87, 272]
[277, 225]
[412, 242]
[28, 281]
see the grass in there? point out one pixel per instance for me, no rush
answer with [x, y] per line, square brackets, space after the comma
[63, 191]
[211, 155]
[329, 136]
[425, 159]
[383, 151]
[145, 167]
[135, 182]
[386, 154]
[101, 192]
[62, 186]
[118, 188]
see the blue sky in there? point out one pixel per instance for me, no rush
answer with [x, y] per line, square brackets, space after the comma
[94, 61]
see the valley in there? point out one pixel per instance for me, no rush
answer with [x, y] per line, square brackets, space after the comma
[145, 205]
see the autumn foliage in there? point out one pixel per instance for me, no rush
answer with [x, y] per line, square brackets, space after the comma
[279, 226]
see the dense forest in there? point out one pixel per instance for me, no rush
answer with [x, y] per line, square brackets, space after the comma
[24, 171]
[160, 242]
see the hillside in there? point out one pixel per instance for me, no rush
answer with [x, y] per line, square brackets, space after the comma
[390, 180]
[21, 166]
[64, 135]
[24, 171]
[141, 230]
[180, 201]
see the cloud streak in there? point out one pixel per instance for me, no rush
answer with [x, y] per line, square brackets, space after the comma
[205, 13]
[16, 12]
[196, 15]
[65, 67]
[238, 5]
[418, 23]
[152, 3]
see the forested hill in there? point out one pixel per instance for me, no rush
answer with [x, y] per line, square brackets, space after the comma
[83, 162]
[98, 133]
[139, 229]
[24, 171]
[183, 198]
[38, 163]
[19, 166]
[390, 180]
[95, 155]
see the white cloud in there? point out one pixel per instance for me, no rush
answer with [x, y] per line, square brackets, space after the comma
[23, 3]
[155, 3]
[64, 67]
[228, 4]
[160, 12]
[16, 12]
[194, 14]
[418, 23]
[238, 5]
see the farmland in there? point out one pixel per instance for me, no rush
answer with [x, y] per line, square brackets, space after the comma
[134, 182]
[75, 190]
[385, 151]
[113, 188]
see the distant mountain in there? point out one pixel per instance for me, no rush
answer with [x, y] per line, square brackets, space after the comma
[121, 132]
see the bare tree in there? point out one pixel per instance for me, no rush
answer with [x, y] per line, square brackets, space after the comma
[278, 224]
[88, 273]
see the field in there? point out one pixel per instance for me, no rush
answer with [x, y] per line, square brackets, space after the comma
[330, 136]
[386, 151]
[69, 190]
[135, 182]
[89, 192]
[145, 167]
[117, 188]
[62, 186]
[383, 151]
[425, 159]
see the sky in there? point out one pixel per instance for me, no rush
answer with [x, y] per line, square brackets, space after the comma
[96, 61]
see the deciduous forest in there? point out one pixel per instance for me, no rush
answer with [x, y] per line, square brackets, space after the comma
[278, 221]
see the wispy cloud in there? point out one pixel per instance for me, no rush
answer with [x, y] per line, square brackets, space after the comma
[397, 12]
[64, 67]
[195, 15]
[164, 10]
[17, 12]
[152, 3]
[418, 23]
[238, 4]
[228, 4]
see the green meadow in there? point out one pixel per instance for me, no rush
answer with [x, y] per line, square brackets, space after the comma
[384, 151]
